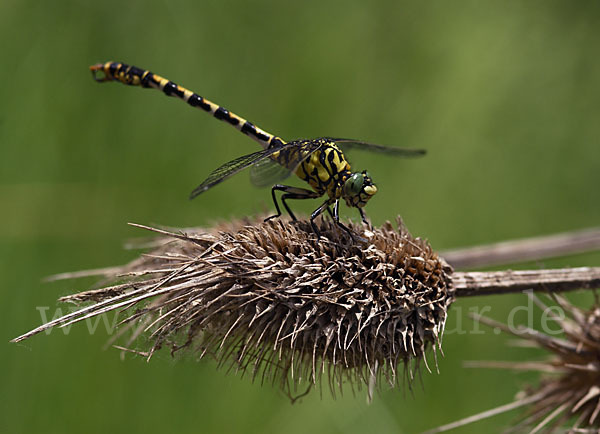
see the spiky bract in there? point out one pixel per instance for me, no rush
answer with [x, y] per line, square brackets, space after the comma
[567, 399]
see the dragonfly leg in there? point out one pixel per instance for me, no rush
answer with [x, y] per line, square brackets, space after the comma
[363, 216]
[316, 213]
[289, 193]
[336, 218]
[336, 211]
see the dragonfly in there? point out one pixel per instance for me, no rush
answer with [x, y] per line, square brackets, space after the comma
[320, 161]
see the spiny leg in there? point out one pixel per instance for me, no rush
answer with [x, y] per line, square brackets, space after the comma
[364, 217]
[336, 217]
[289, 193]
[316, 213]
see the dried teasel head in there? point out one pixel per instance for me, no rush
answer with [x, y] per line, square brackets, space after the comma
[272, 300]
[567, 399]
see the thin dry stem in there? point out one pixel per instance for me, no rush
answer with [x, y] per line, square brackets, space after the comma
[528, 249]
[487, 414]
[503, 282]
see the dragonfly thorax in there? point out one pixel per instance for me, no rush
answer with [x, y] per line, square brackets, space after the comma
[325, 169]
[328, 172]
[358, 189]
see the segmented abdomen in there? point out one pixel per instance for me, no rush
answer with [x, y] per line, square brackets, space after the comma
[134, 76]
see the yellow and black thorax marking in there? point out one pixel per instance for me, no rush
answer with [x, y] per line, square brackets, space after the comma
[325, 169]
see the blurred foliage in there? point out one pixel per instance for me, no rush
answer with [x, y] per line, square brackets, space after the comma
[505, 95]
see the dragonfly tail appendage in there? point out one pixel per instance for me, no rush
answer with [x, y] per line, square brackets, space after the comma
[133, 76]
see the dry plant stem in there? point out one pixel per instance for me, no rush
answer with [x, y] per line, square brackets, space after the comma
[486, 414]
[529, 249]
[503, 282]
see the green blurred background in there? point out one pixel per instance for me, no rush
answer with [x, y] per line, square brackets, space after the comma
[504, 95]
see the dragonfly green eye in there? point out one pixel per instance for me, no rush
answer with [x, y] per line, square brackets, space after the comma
[354, 184]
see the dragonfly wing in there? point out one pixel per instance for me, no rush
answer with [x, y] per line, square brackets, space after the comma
[268, 172]
[232, 167]
[358, 144]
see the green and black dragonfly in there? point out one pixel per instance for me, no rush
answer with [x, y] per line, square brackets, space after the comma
[320, 162]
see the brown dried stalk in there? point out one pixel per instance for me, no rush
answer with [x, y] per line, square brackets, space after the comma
[528, 249]
[503, 282]
[272, 300]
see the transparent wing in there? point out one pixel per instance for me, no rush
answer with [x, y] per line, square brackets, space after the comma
[358, 144]
[269, 171]
[234, 166]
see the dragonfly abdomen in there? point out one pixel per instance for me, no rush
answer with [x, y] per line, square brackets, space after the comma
[135, 76]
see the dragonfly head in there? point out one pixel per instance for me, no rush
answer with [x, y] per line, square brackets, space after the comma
[358, 189]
